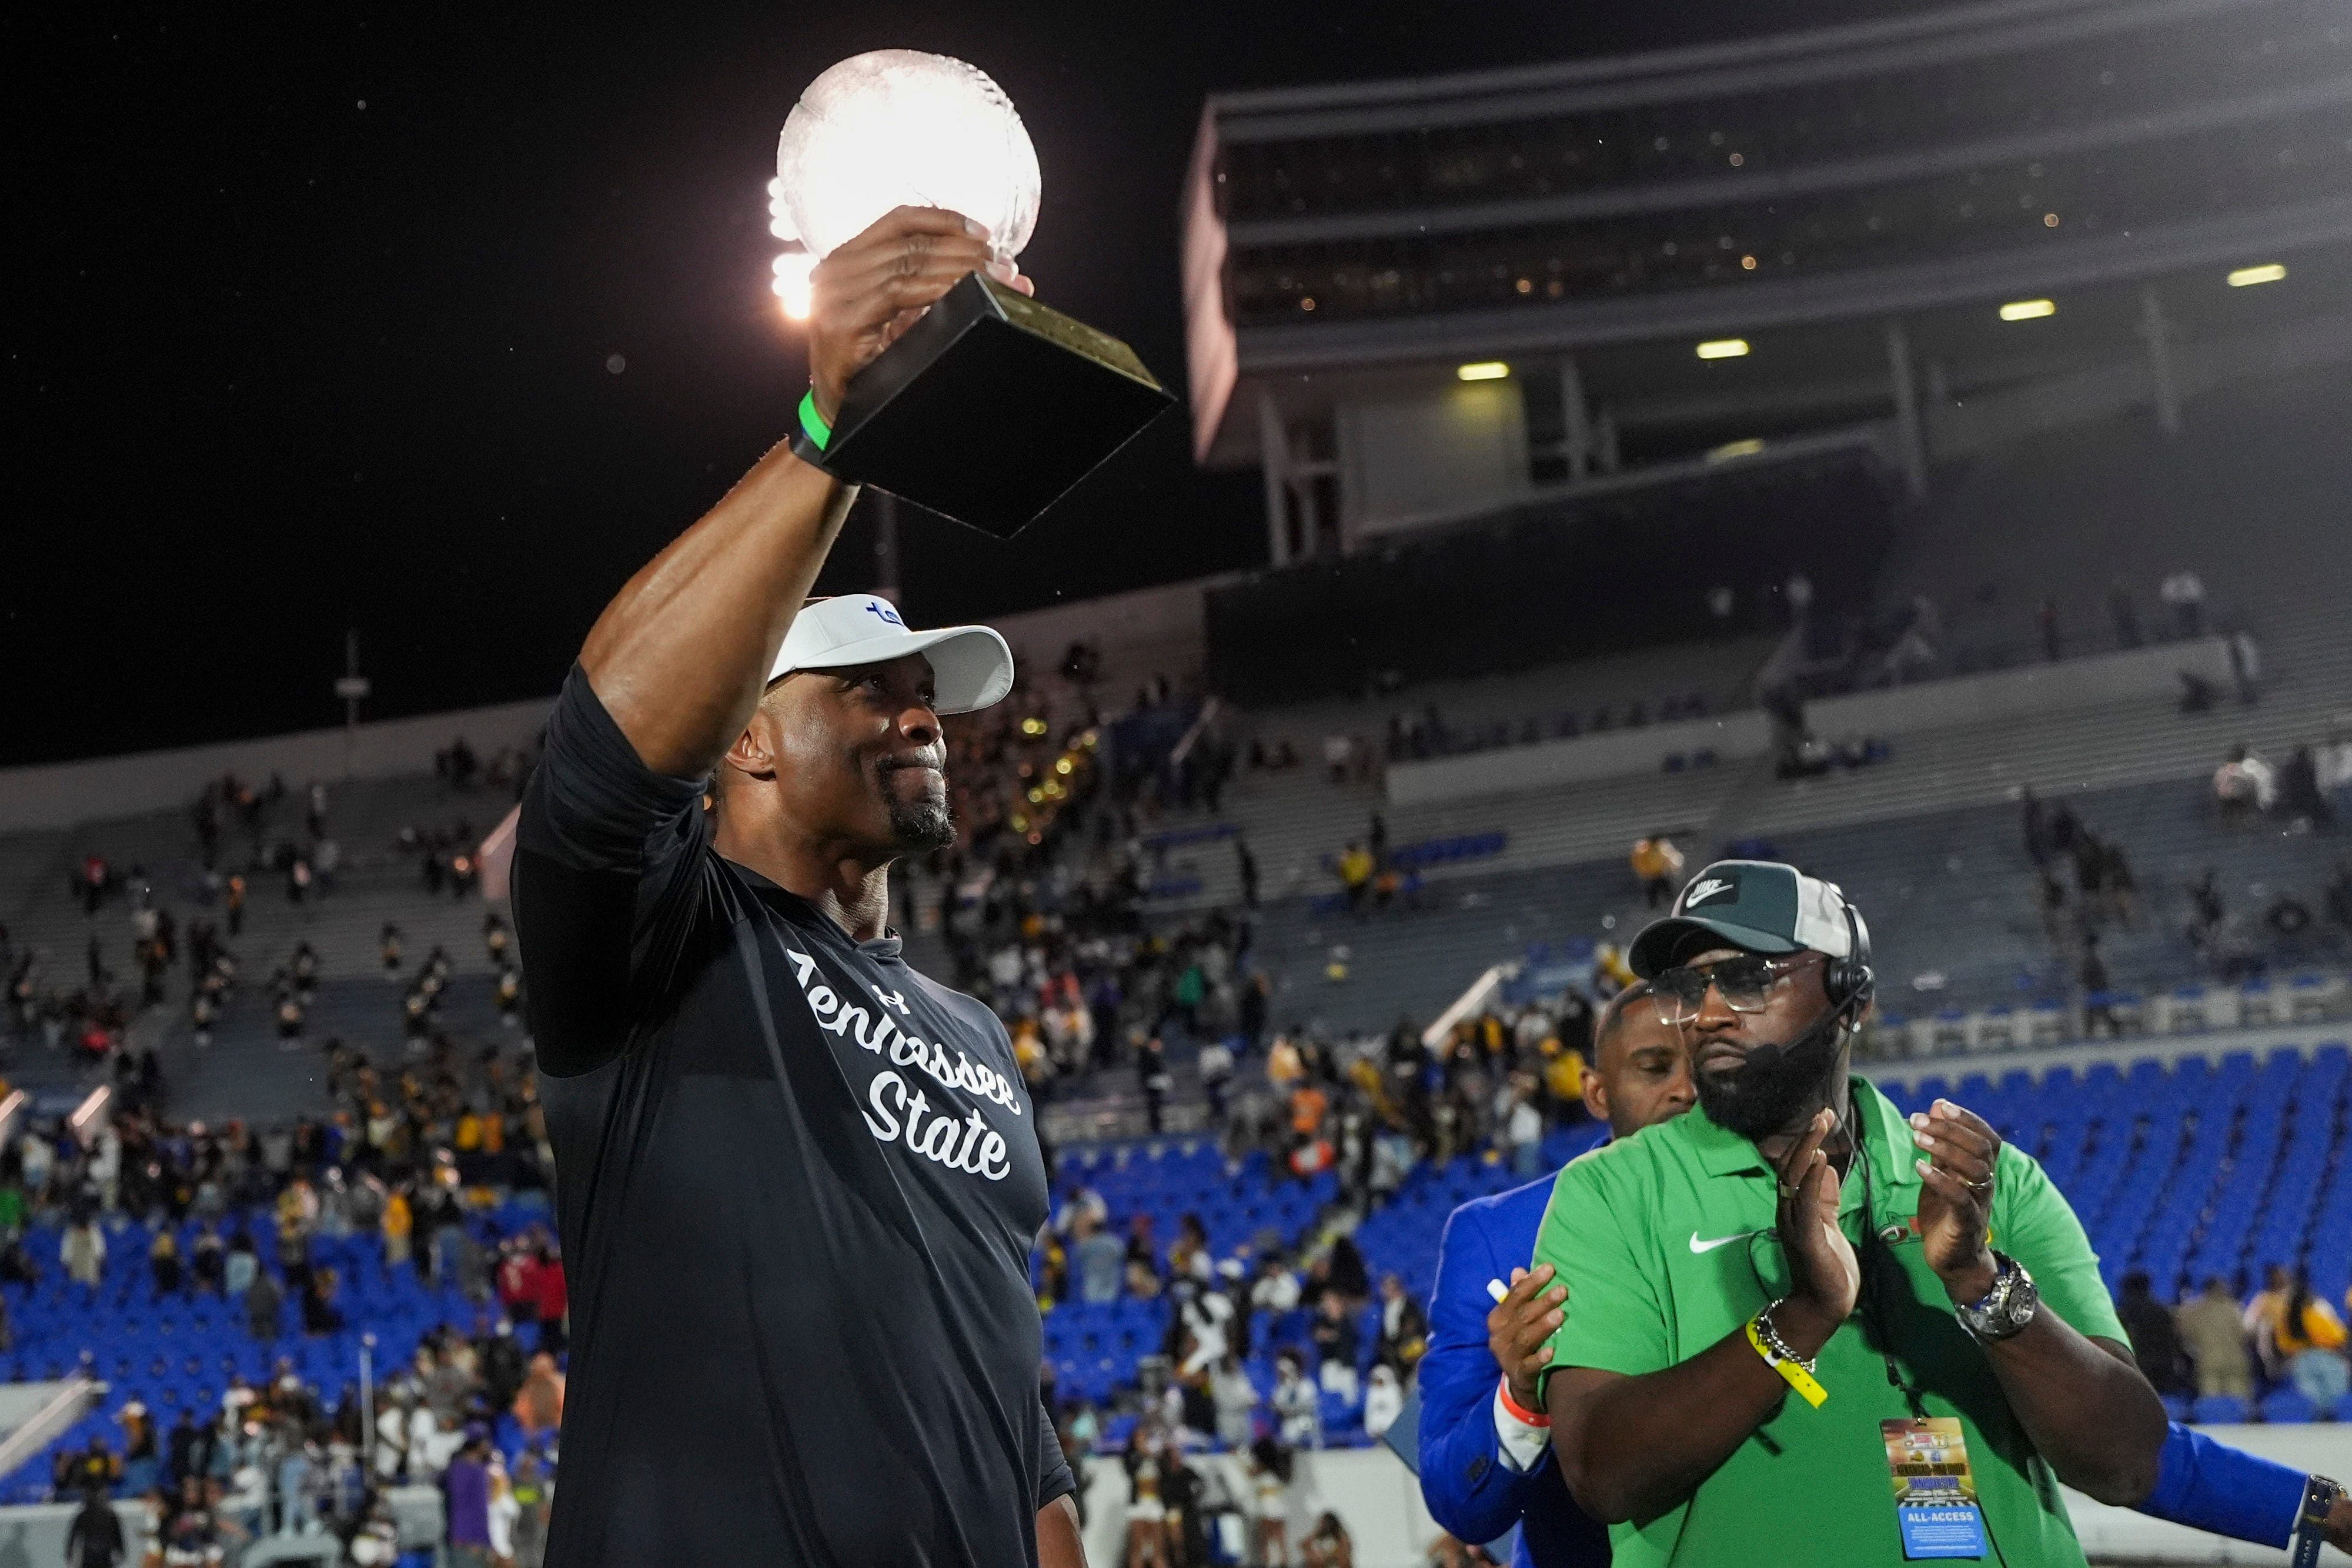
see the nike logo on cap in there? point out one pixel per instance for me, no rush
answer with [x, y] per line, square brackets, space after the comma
[1698, 1246]
[1713, 887]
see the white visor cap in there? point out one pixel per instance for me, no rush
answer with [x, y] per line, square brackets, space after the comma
[971, 666]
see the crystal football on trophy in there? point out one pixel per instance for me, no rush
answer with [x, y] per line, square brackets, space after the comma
[991, 406]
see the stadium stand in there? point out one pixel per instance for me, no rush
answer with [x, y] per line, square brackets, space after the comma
[2188, 1170]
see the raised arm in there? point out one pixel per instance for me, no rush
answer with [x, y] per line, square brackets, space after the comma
[2082, 1400]
[1631, 1447]
[1470, 1481]
[680, 655]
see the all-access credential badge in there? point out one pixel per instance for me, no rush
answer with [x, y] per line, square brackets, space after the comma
[1935, 1495]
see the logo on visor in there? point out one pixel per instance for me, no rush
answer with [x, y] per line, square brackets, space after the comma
[875, 607]
[1713, 888]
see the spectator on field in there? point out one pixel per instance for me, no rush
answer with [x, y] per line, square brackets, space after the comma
[2154, 1338]
[94, 1539]
[1328, 1545]
[2310, 1339]
[2213, 1331]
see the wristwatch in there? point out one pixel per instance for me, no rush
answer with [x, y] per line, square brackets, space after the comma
[2005, 1309]
[2320, 1497]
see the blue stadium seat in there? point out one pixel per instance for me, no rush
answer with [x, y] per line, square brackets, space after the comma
[2285, 1407]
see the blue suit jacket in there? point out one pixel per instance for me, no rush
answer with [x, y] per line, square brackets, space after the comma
[1468, 1488]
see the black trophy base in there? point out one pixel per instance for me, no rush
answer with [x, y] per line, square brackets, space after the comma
[990, 408]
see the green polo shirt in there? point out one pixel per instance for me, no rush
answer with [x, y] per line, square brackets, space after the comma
[1666, 1242]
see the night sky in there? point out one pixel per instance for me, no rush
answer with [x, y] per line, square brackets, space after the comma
[313, 308]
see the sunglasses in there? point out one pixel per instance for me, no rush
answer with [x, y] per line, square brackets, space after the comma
[1745, 982]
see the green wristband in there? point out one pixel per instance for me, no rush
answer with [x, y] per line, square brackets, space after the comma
[813, 423]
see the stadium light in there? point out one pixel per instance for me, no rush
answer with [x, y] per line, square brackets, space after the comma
[1731, 449]
[1723, 349]
[2246, 276]
[1484, 370]
[2028, 309]
[791, 282]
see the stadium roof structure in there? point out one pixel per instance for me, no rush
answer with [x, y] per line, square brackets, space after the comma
[1881, 224]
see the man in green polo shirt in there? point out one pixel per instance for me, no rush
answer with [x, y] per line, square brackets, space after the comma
[1800, 1330]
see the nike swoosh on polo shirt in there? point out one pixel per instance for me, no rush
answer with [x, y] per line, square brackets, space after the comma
[1698, 1246]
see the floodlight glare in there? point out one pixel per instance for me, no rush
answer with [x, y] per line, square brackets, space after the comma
[2028, 309]
[1723, 349]
[791, 282]
[2246, 276]
[1484, 370]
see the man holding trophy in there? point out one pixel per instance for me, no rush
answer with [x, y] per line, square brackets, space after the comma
[798, 1182]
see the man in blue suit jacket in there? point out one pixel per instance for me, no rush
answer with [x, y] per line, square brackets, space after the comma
[1485, 1469]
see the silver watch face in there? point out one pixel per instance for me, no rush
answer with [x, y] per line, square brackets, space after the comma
[2007, 1307]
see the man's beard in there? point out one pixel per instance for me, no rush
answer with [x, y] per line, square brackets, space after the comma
[921, 824]
[1773, 1084]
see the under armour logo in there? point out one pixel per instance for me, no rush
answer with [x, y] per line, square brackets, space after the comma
[875, 607]
[1713, 887]
[893, 999]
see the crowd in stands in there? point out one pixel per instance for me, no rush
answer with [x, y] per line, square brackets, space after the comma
[1279, 1341]
[2086, 887]
[243, 834]
[2304, 794]
[2213, 1345]
[254, 1220]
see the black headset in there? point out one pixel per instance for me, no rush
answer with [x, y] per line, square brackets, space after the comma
[1849, 982]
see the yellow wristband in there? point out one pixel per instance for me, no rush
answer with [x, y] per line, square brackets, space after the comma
[1796, 1376]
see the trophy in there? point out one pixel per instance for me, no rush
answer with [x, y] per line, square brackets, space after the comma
[991, 406]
